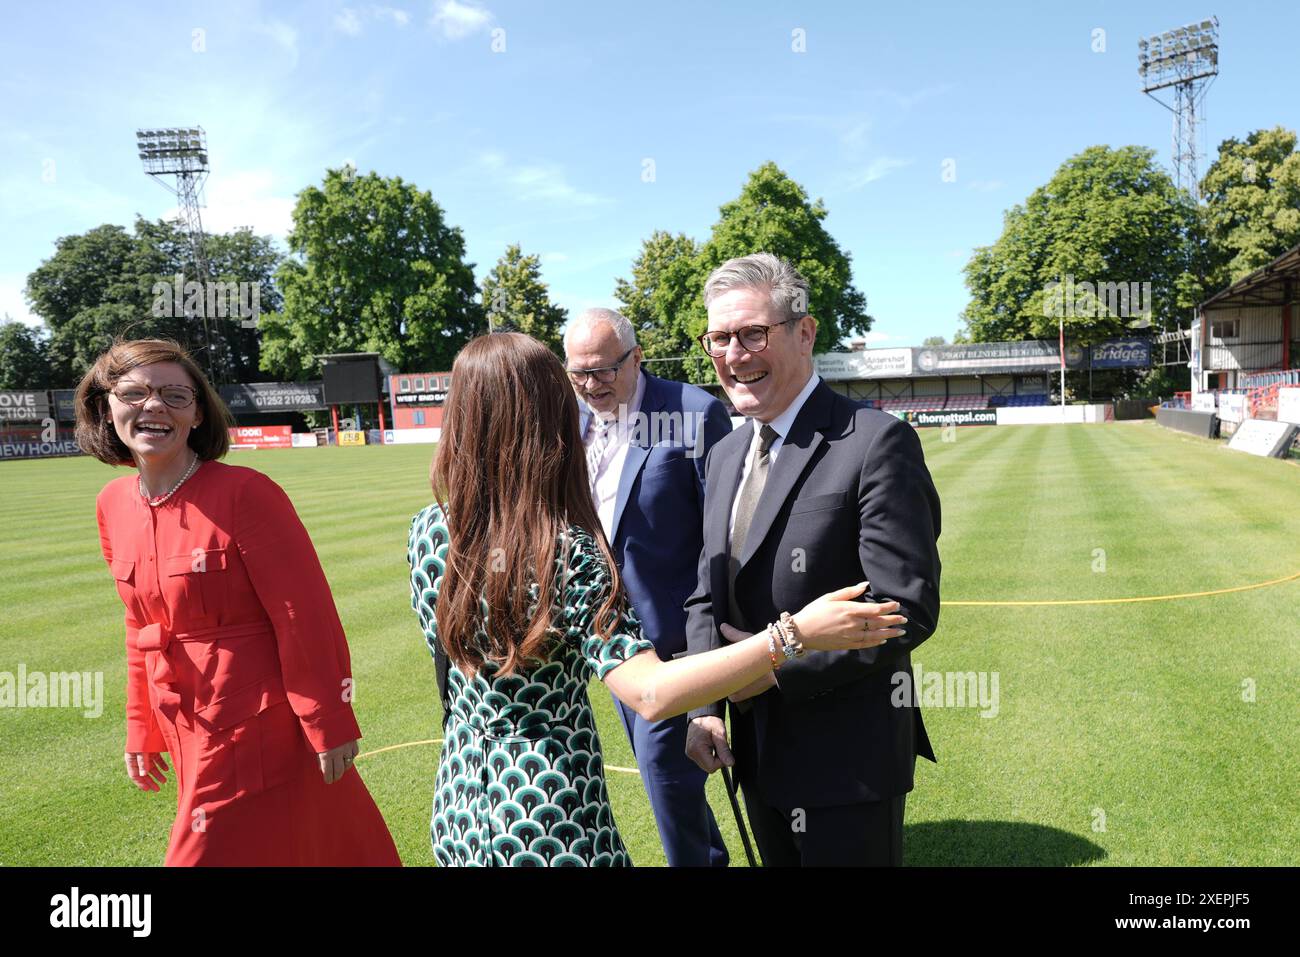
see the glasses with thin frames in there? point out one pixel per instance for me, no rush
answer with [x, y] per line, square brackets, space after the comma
[176, 396]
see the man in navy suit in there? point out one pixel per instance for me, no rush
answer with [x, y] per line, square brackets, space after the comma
[646, 441]
[816, 493]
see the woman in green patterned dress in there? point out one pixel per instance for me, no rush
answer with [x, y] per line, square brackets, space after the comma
[521, 780]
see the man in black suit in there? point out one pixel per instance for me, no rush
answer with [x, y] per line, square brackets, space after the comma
[815, 493]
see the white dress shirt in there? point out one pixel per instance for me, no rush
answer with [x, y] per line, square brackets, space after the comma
[610, 469]
[781, 425]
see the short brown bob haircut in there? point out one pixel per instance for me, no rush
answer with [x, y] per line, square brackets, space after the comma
[95, 432]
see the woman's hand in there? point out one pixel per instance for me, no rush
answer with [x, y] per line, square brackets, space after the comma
[146, 769]
[335, 762]
[835, 622]
[768, 680]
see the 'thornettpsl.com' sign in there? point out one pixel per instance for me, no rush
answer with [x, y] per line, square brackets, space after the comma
[962, 417]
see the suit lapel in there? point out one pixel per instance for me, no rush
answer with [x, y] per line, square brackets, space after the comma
[652, 400]
[797, 450]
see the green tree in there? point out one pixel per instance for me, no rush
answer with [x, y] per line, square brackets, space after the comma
[24, 363]
[772, 214]
[107, 282]
[374, 268]
[934, 341]
[1252, 203]
[86, 293]
[164, 252]
[1106, 216]
[516, 299]
[656, 301]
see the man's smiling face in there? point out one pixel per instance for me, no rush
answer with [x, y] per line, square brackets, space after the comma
[761, 384]
[596, 346]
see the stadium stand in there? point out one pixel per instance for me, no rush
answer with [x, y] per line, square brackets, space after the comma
[1261, 391]
[1017, 401]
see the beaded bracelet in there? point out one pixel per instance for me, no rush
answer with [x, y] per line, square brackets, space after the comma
[771, 647]
[783, 633]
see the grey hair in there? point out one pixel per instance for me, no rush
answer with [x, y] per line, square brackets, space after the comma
[786, 287]
[623, 329]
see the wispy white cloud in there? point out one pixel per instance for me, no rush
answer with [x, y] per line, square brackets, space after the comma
[350, 20]
[536, 182]
[854, 136]
[347, 21]
[282, 35]
[877, 169]
[247, 198]
[455, 20]
[906, 101]
[850, 129]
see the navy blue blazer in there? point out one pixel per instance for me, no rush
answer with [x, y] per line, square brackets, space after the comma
[849, 498]
[658, 528]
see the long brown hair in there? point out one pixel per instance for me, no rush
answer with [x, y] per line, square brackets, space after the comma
[510, 474]
[210, 439]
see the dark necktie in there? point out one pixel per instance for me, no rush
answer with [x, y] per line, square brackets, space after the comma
[759, 460]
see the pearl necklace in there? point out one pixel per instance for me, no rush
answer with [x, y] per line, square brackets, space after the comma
[171, 491]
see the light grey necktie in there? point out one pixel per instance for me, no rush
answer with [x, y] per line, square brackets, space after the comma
[602, 432]
[759, 460]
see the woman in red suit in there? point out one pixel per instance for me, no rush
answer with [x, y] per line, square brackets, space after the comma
[237, 665]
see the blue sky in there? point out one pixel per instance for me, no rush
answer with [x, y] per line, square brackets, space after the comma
[545, 142]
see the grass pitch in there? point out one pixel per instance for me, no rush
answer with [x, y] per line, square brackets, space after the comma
[1147, 733]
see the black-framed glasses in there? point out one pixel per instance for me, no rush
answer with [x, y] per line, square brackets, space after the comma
[176, 396]
[604, 376]
[753, 338]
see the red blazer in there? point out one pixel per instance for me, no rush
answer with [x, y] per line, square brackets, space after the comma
[233, 556]
[239, 668]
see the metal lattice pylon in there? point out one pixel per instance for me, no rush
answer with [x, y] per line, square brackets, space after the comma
[1186, 60]
[177, 157]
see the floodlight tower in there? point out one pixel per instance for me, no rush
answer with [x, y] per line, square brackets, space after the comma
[178, 159]
[1186, 59]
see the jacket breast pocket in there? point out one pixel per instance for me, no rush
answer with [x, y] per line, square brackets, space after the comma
[196, 583]
[672, 468]
[819, 503]
[124, 576]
